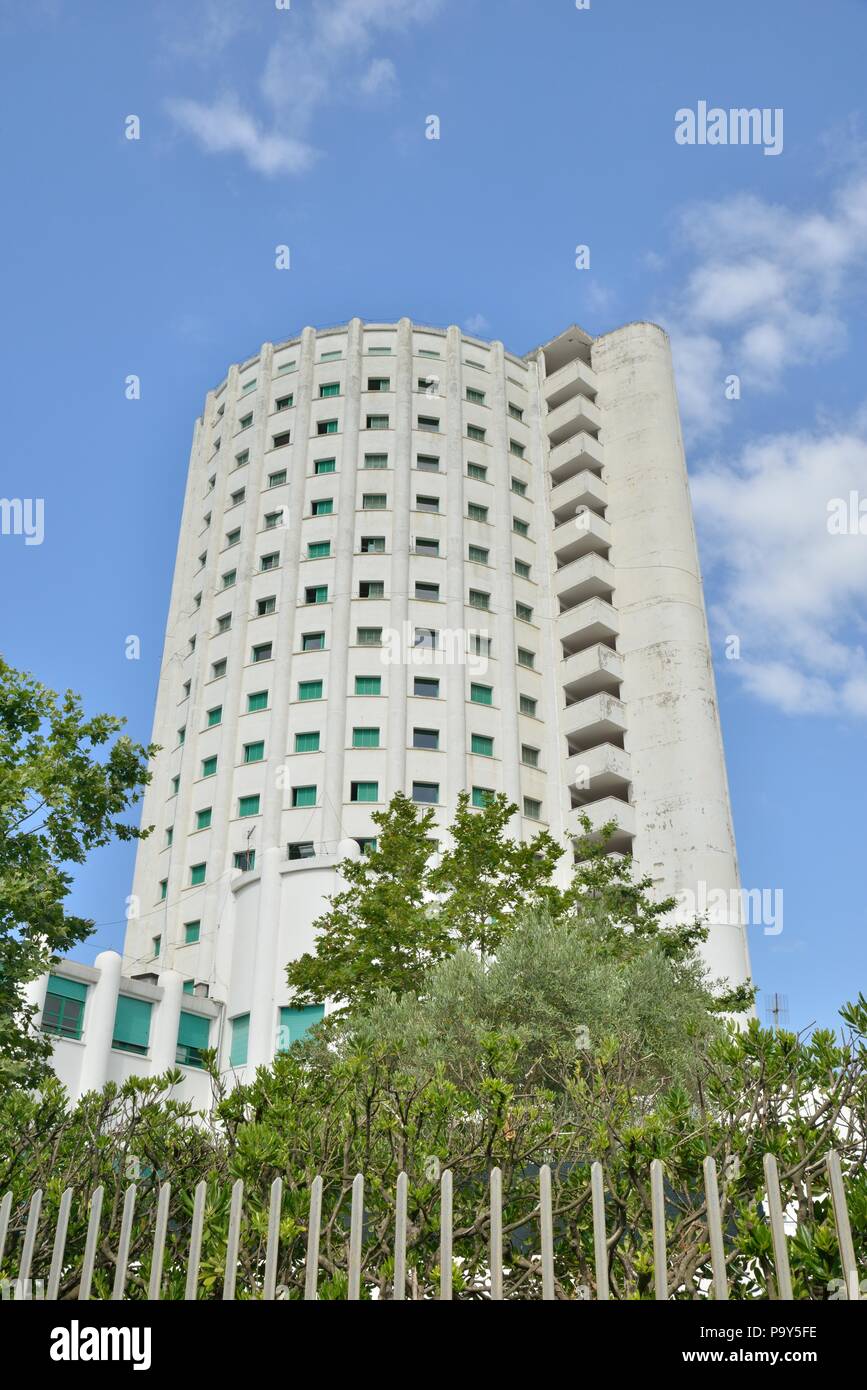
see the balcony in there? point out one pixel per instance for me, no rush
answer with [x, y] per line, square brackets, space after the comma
[586, 624]
[579, 536]
[599, 813]
[582, 490]
[590, 576]
[590, 671]
[576, 378]
[581, 451]
[598, 719]
[571, 418]
[603, 771]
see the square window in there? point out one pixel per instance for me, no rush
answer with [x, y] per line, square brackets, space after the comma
[284, 402]
[313, 641]
[522, 569]
[364, 791]
[478, 471]
[427, 504]
[242, 458]
[529, 755]
[374, 501]
[307, 742]
[481, 694]
[519, 488]
[316, 593]
[301, 849]
[371, 588]
[482, 745]
[321, 466]
[368, 636]
[269, 562]
[197, 874]
[258, 700]
[477, 513]
[425, 738]
[233, 537]
[476, 433]
[328, 389]
[209, 766]
[481, 796]
[278, 478]
[279, 441]
[521, 528]
[304, 796]
[526, 658]
[192, 932]
[262, 652]
[365, 738]
[264, 606]
[426, 793]
[479, 599]
[310, 690]
[424, 590]
[254, 752]
[426, 637]
[516, 448]
[378, 383]
[532, 809]
[372, 545]
[423, 545]
[368, 685]
[326, 427]
[528, 705]
[475, 396]
[376, 460]
[478, 554]
[426, 687]
[273, 519]
[215, 715]
[229, 578]
[515, 411]
[245, 860]
[218, 668]
[248, 805]
[203, 818]
[430, 423]
[377, 422]
[427, 463]
[524, 612]
[322, 506]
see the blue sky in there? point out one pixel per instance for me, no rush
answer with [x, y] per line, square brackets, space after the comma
[306, 126]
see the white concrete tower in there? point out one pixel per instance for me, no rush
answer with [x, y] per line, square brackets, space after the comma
[410, 560]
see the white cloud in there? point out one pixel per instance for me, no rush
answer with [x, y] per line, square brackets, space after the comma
[790, 589]
[225, 127]
[317, 61]
[766, 289]
[477, 324]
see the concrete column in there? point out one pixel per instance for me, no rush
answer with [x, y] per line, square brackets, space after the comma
[401, 504]
[99, 1022]
[262, 1035]
[457, 692]
[164, 1034]
[34, 996]
[684, 835]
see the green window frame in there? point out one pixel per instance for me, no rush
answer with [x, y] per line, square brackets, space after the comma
[63, 1012]
[475, 396]
[197, 874]
[365, 737]
[193, 1035]
[374, 501]
[215, 716]
[164, 888]
[521, 528]
[278, 478]
[316, 593]
[322, 506]
[377, 422]
[329, 389]
[532, 808]
[376, 460]
[323, 466]
[249, 805]
[192, 932]
[132, 1022]
[477, 471]
[481, 796]
[209, 766]
[310, 690]
[516, 448]
[240, 1040]
[257, 700]
[522, 569]
[318, 550]
[482, 745]
[296, 1022]
[528, 705]
[368, 685]
[476, 433]
[526, 658]
[254, 752]
[481, 694]
[524, 612]
[364, 791]
[479, 599]
[478, 555]
[307, 742]
[304, 796]
[476, 512]
[326, 427]
[519, 488]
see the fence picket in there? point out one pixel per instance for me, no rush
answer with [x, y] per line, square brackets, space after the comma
[496, 1197]
[714, 1230]
[123, 1243]
[272, 1249]
[546, 1223]
[354, 1290]
[156, 1280]
[233, 1240]
[59, 1245]
[399, 1285]
[446, 1231]
[5, 1209]
[600, 1238]
[29, 1243]
[842, 1224]
[196, 1241]
[778, 1230]
[314, 1221]
[660, 1256]
[90, 1243]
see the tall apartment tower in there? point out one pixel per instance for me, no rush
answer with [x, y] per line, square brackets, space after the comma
[412, 561]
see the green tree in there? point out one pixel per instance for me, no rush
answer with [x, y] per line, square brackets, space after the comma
[379, 931]
[64, 781]
[485, 876]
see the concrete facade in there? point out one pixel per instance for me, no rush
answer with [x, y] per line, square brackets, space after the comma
[411, 560]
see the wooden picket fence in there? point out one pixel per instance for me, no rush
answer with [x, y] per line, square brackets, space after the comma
[662, 1289]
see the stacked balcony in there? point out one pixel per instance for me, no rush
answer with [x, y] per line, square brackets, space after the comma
[593, 718]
